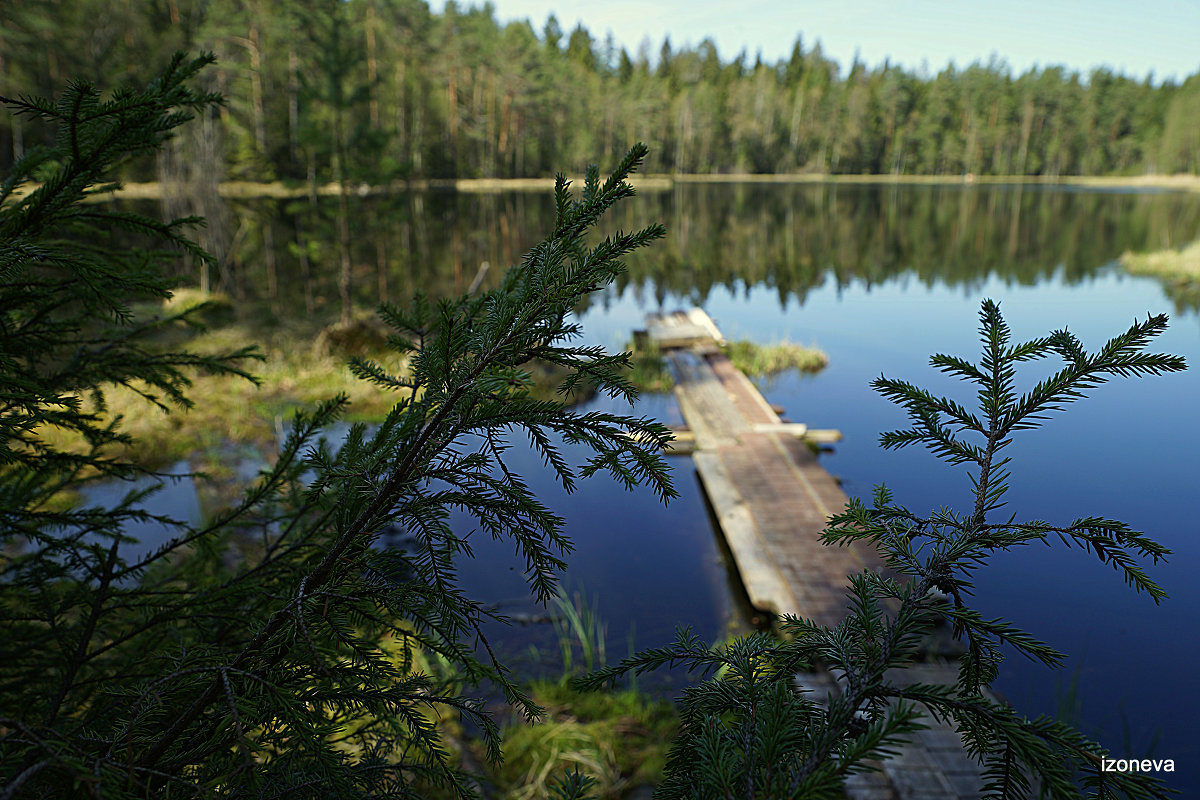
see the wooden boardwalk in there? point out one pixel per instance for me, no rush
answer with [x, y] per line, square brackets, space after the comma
[772, 499]
[771, 496]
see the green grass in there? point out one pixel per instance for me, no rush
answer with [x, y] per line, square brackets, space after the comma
[303, 364]
[1182, 264]
[579, 628]
[620, 738]
[759, 361]
[650, 372]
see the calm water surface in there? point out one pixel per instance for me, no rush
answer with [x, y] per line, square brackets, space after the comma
[879, 278]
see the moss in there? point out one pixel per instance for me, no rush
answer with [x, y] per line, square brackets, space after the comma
[759, 361]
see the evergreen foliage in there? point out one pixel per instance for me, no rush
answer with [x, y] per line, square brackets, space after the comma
[751, 731]
[69, 328]
[272, 651]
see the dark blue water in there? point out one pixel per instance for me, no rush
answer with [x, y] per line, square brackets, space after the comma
[643, 568]
[1128, 452]
[880, 278]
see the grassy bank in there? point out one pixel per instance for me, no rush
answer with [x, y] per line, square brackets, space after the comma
[652, 183]
[1182, 265]
[300, 366]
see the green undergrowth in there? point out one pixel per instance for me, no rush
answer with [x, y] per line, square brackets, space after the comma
[302, 364]
[620, 738]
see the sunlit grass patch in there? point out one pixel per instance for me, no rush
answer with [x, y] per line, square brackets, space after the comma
[232, 409]
[758, 361]
[619, 738]
[651, 374]
[1182, 264]
[302, 365]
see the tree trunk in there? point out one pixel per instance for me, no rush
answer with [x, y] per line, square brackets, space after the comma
[343, 228]
[305, 268]
[403, 145]
[372, 70]
[256, 94]
[381, 268]
[269, 261]
[1026, 131]
[452, 115]
[293, 106]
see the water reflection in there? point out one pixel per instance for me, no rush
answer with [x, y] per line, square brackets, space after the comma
[785, 237]
[879, 277]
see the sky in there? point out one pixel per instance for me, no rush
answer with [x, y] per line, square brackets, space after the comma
[1135, 37]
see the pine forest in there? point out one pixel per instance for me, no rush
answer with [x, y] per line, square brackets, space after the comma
[377, 90]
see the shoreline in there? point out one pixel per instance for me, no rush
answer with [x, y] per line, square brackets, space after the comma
[658, 183]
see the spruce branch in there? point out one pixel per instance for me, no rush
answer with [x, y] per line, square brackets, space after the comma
[735, 721]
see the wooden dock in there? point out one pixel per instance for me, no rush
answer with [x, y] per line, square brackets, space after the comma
[770, 495]
[772, 499]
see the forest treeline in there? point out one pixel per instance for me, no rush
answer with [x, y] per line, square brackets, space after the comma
[373, 90]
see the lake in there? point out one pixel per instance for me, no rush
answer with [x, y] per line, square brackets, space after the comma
[879, 277]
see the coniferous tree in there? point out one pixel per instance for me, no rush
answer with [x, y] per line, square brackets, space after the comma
[273, 650]
[456, 94]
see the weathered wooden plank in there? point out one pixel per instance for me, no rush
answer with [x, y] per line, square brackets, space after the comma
[677, 329]
[701, 320]
[704, 401]
[798, 429]
[772, 499]
[764, 585]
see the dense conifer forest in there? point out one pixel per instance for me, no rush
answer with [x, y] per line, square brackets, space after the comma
[371, 90]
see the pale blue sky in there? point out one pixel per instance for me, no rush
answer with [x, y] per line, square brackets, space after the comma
[1139, 37]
